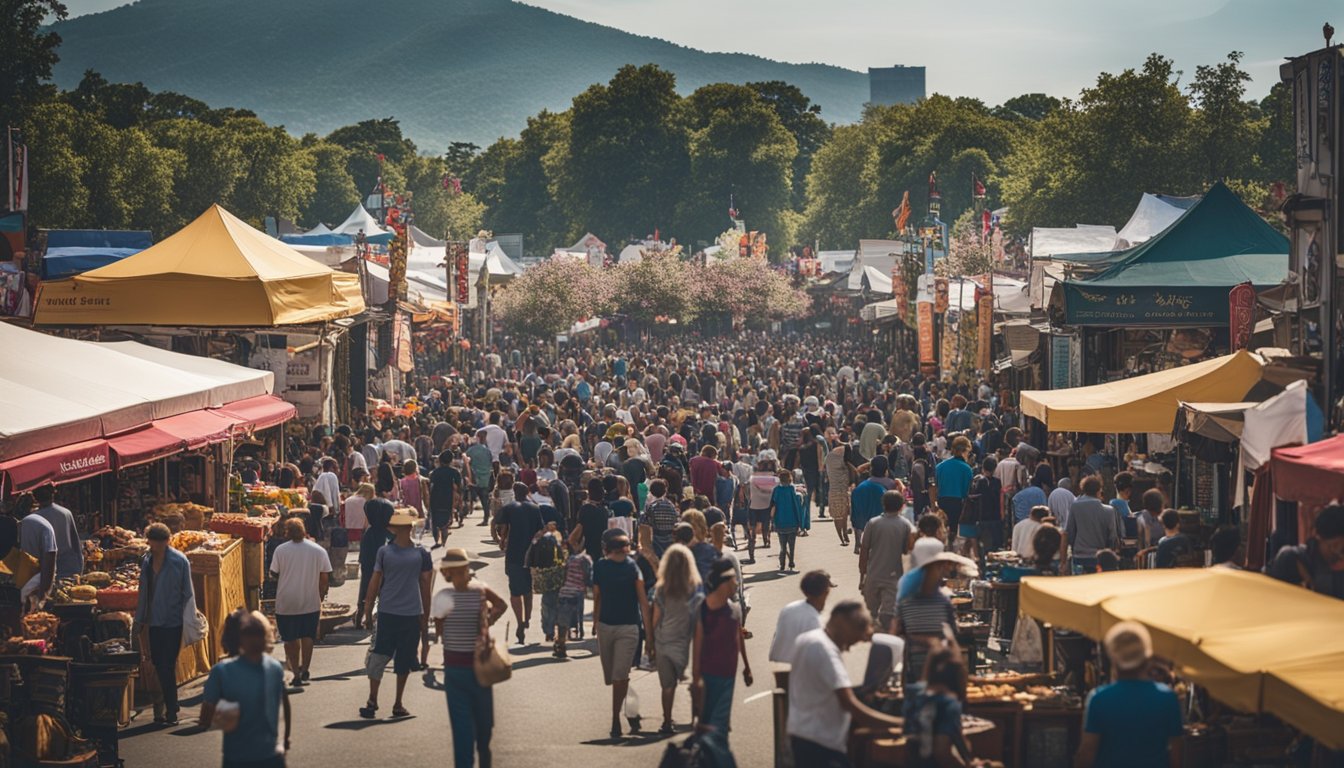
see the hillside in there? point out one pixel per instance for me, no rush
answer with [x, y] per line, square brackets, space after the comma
[463, 70]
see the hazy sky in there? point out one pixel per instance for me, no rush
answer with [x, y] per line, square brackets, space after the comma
[991, 50]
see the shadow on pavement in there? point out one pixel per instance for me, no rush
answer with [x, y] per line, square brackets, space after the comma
[764, 576]
[361, 724]
[640, 739]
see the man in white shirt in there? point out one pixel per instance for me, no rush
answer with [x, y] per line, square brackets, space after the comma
[821, 698]
[302, 569]
[495, 436]
[1025, 531]
[329, 485]
[800, 616]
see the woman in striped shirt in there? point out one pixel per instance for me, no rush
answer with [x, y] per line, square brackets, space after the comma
[462, 611]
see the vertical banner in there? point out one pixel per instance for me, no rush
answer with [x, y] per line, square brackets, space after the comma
[461, 262]
[899, 290]
[1059, 362]
[925, 313]
[1241, 312]
[940, 297]
[402, 341]
[983, 358]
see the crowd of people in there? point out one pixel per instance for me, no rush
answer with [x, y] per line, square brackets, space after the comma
[646, 479]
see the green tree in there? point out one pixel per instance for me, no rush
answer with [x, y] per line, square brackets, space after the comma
[803, 120]
[29, 53]
[120, 105]
[510, 178]
[842, 203]
[1274, 156]
[440, 210]
[212, 162]
[277, 176]
[149, 172]
[738, 148]
[460, 157]
[334, 192]
[59, 197]
[1089, 161]
[621, 171]
[1028, 106]
[1225, 127]
[369, 140]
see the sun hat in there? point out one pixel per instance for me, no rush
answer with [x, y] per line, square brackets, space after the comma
[925, 549]
[403, 516]
[965, 565]
[1129, 645]
[457, 557]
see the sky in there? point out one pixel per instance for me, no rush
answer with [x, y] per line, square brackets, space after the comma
[988, 50]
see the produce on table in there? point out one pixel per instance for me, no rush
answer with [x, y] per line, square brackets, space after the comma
[40, 626]
[184, 541]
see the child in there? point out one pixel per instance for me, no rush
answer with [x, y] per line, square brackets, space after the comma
[787, 509]
[569, 609]
[715, 649]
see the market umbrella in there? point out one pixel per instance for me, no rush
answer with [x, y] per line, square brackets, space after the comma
[1238, 634]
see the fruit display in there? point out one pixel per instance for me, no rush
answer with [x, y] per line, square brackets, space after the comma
[185, 541]
[292, 498]
[40, 626]
[245, 527]
[186, 514]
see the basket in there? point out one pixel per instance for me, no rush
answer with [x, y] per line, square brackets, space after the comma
[113, 599]
[207, 562]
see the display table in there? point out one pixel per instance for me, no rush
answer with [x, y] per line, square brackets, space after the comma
[218, 580]
[254, 572]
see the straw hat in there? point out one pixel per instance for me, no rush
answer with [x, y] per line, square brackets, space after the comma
[457, 557]
[403, 516]
[1129, 645]
[925, 549]
[965, 565]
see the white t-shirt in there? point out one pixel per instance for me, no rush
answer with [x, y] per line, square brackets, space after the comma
[795, 619]
[299, 564]
[1023, 533]
[818, 672]
[495, 439]
[355, 520]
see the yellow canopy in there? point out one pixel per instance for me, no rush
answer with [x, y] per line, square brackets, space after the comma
[216, 271]
[1144, 403]
[1255, 643]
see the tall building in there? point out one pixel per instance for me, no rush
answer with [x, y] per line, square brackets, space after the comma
[895, 85]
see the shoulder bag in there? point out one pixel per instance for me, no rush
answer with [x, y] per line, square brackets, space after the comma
[491, 663]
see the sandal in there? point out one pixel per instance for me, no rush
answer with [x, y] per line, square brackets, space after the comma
[667, 730]
[368, 711]
[400, 712]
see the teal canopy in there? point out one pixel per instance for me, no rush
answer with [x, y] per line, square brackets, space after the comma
[1181, 277]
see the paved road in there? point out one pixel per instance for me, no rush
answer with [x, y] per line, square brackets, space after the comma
[551, 713]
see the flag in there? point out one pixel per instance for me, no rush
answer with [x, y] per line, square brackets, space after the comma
[17, 168]
[986, 224]
[977, 188]
[933, 184]
[902, 212]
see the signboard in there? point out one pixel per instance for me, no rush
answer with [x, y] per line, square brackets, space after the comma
[900, 291]
[402, 342]
[1060, 348]
[940, 297]
[1241, 310]
[983, 360]
[304, 368]
[925, 314]
[1117, 306]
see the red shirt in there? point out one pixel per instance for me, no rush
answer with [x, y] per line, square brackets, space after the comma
[704, 471]
[718, 649]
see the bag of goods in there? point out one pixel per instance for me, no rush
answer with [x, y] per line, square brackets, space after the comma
[40, 626]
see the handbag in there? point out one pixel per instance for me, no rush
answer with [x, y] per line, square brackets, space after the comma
[194, 628]
[490, 662]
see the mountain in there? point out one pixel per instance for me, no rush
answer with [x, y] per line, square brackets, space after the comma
[460, 70]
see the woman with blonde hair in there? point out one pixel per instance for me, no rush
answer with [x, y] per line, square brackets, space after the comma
[676, 601]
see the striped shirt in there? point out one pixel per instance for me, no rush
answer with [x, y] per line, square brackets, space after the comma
[460, 612]
[578, 576]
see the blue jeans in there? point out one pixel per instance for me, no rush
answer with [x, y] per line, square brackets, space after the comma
[717, 708]
[550, 612]
[471, 713]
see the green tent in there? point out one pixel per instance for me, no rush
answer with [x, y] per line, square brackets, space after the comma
[1181, 277]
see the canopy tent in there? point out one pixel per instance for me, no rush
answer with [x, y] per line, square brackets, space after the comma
[216, 271]
[1144, 403]
[836, 261]
[1153, 214]
[72, 251]
[422, 238]
[320, 229]
[1051, 242]
[360, 220]
[1183, 275]
[1237, 633]
[874, 262]
[1290, 417]
[70, 408]
[1310, 473]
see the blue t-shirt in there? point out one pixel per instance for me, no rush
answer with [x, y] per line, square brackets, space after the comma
[865, 502]
[1025, 499]
[1135, 719]
[954, 478]
[258, 689]
[401, 568]
[788, 509]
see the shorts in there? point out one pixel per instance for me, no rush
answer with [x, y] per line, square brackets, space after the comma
[880, 597]
[398, 637]
[968, 530]
[520, 580]
[569, 612]
[616, 646]
[741, 515]
[671, 664]
[297, 626]
[761, 517]
[441, 518]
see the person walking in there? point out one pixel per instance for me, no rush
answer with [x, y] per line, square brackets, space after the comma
[166, 594]
[886, 540]
[718, 643]
[759, 490]
[569, 607]
[463, 611]
[800, 616]
[302, 570]
[619, 604]
[1092, 526]
[787, 514]
[866, 498]
[481, 464]
[1134, 720]
[445, 483]
[254, 683]
[378, 513]
[676, 603]
[953, 480]
[402, 576]
[516, 527]
[840, 474]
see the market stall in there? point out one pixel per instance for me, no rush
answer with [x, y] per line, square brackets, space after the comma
[1197, 619]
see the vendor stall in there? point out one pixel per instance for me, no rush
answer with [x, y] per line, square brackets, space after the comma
[1198, 622]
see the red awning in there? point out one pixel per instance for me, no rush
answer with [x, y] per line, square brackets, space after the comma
[259, 412]
[1312, 473]
[199, 428]
[144, 445]
[58, 465]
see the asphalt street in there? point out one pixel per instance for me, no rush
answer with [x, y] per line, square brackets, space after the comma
[551, 713]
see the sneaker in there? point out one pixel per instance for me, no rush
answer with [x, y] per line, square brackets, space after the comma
[297, 682]
[307, 676]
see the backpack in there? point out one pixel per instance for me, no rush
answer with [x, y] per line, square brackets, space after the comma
[547, 562]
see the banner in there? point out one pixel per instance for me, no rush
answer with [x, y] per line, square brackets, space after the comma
[983, 358]
[940, 297]
[925, 312]
[900, 291]
[1241, 314]
[458, 255]
[1060, 348]
[402, 343]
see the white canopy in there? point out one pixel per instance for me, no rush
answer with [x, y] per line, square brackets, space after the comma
[1047, 242]
[874, 257]
[1153, 214]
[56, 391]
[320, 229]
[836, 261]
[360, 218]
[420, 237]
[1281, 420]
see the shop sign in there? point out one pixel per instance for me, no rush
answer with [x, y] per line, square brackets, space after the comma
[304, 368]
[926, 352]
[1060, 349]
